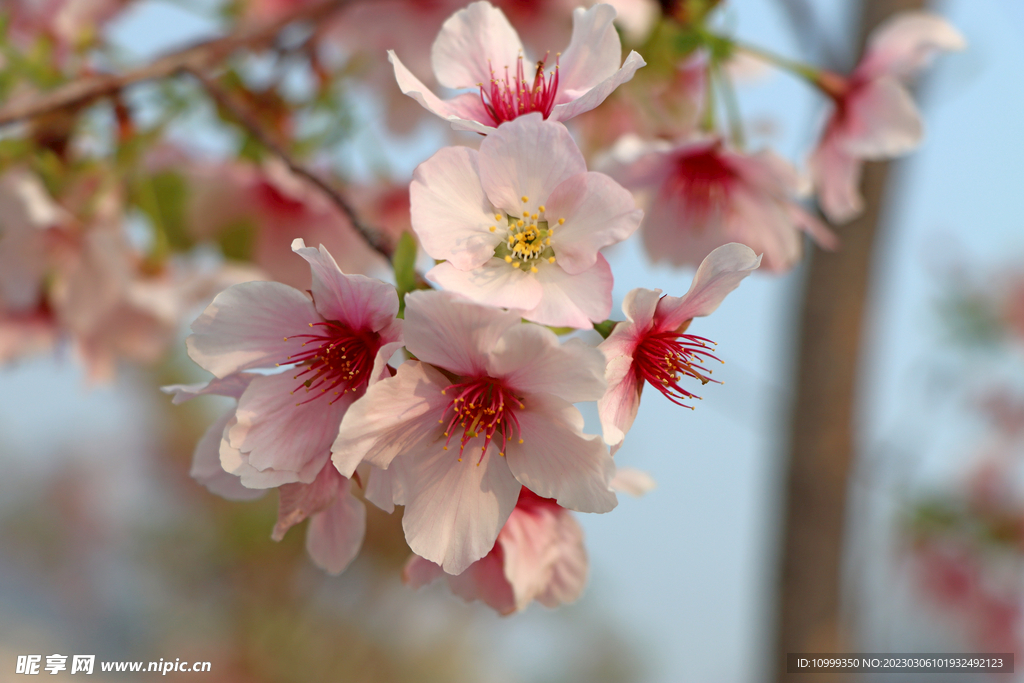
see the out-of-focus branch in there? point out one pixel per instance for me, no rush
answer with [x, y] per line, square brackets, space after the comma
[822, 440]
[373, 237]
[196, 58]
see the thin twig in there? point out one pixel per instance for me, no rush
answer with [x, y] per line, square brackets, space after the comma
[373, 237]
[195, 58]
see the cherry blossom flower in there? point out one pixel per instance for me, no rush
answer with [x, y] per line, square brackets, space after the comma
[652, 345]
[874, 116]
[70, 24]
[486, 408]
[336, 343]
[706, 195]
[477, 48]
[337, 518]
[539, 555]
[521, 222]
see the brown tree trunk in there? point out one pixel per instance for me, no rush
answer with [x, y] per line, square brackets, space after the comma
[824, 421]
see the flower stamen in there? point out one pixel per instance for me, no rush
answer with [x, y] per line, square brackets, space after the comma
[664, 358]
[338, 359]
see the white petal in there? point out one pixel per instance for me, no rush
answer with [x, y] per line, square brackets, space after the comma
[250, 326]
[463, 110]
[472, 42]
[599, 93]
[598, 212]
[593, 53]
[573, 300]
[452, 333]
[569, 571]
[450, 212]
[881, 121]
[455, 509]
[836, 176]
[619, 406]
[635, 482]
[527, 157]
[530, 359]
[556, 460]
[394, 417]
[231, 386]
[494, 283]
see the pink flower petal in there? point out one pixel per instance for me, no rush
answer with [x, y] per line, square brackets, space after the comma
[527, 157]
[619, 405]
[881, 121]
[556, 460]
[450, 212]
[278, 431]
[720, 273]
[246, 325]
[836, 176]
[466, 110]
[485, 581]
[236, 462]
[593, 54]
[570, 568]
[529, 358]
[906, 43]
[494, 283]
[598, 212]
[452, 333]
[573, 300]
[471, 42]
[454, 509]
[393, 417]
[639, 306]
[357, 301]
[385, 488]
[419, 572]
[335, 535]
[600, 92]
[296, 502]
[206, 468]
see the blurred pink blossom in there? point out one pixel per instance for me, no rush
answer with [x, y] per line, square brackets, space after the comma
[704, 195]
[874, 115]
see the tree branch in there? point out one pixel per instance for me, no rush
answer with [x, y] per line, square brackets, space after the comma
[196, 58]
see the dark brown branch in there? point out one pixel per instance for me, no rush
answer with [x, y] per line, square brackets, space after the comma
[196, 58]
[373, 237]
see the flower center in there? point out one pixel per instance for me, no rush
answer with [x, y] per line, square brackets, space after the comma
[701, 181]
[481, 407]
[528, 239]
[510, 97]
[338, 359]
[663, 359]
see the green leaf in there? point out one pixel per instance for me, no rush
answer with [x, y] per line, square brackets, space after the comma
[404, 263]
[605, 328]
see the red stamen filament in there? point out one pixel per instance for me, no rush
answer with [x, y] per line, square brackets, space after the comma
[701, 181]
[506, 99]
[481, 407]
[339, 359]
[663, 359]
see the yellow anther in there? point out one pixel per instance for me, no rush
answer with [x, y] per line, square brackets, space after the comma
[520, 440]
[497, 216]
[519, 224]
[533, 269]
[516, 264]
[561, 221]
[551, 259]
[492, 228]
[442, 392]
[541, 209]
[508, 259]
[525, 198]
[286, 339]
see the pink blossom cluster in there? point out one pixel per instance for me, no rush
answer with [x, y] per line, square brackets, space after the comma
[456, 397]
